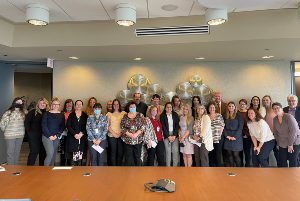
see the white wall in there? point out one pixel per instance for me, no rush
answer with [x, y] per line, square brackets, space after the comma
[80, 80]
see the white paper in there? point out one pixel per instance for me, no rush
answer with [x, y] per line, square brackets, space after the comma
[2, 169]
[194, 142]
[98, 148]
[153, 144]
[62, 168]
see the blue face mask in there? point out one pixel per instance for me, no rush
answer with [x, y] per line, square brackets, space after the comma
[97, 112]
[132, 110]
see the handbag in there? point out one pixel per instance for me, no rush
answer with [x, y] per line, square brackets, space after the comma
[77, 155]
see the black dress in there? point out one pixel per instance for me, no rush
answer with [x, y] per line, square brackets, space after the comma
[33, 128]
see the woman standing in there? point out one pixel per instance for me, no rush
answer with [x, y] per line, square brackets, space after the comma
[255, 103]
[33, 127]
[195, 102]
[176, 103]
[132, 128]
[115, 144]
[233, 143]
[287, 135]
[12, 124]
[76, 137]
[247, 142]
[154, 124]
[97, 127]
[170, 127]
[217, 127]
[185, 131]
[262, 138]
[90, 106]
[203, 135]
[53, 124]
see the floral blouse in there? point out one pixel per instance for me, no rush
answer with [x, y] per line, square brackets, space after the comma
[97, 127]
[132, 125]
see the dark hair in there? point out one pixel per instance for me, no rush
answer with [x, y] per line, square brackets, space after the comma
[156, 96]
[228, 116]
[167, 103]
[130, 103]
[209, 104]
[199, 99]
[276, 104]
[243, 100]
[257, 115]
[97, 105]
[13, 105]
[79, 101]
[173, 99]
[251, 104]
[120, 109]
[65, 105]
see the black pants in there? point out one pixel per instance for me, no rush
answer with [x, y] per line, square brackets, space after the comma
[233, 158]
[159, 151]
[246, 153]
[133, 155]
[262, 159]
[276, 152]
[116, 150]
[36, 148]
[292, 157]
[215, 156]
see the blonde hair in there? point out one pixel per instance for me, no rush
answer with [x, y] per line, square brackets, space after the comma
[228, 115]
[37, 109]
[90, 110]
[205, 112]
[54, 99]
[189, 118]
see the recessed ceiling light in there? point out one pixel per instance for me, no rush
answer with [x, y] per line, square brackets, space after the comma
[74, 57]
[5, 55]
[199, 58]
[59, 50]
[169, 7]
[267, 57]
[137, 59]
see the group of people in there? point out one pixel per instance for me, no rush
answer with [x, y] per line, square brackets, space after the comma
[176, 134]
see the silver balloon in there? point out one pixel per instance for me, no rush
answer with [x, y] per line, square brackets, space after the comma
[138, 83]
[167, 97]
[204, 92]
[195, 81]
[146, 98]
[154, 89]
[124, 96]
[184, 90]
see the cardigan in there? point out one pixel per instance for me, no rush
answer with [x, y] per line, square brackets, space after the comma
[33, 124]
[165, 124]
[53, 123]
[205, 131]
[297, 113]
[149, 133]
[12, 124]
[76, 125]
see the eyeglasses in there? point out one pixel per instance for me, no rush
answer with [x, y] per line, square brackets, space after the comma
[56, 104]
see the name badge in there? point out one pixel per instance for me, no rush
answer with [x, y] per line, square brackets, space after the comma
[96, 130]
[158, 129]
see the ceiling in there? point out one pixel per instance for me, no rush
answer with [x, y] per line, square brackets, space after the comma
[90, 10]
[85, 28]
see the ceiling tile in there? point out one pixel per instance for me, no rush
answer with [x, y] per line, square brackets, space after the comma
[10, 12]
[291, 4]
[197, 9]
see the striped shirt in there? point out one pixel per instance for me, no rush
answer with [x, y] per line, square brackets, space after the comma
[217, 126]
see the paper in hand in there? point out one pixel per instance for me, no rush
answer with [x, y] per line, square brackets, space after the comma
[98, 148]
[153, 144]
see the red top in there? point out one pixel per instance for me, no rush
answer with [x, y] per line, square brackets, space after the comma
[157, 128]
[245, 128]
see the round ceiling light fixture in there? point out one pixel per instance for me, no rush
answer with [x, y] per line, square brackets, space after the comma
[169, 7]
[37, 14]
[125, 14]
[216, 16]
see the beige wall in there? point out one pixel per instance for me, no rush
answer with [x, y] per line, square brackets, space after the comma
[235, 79]
[33, 85]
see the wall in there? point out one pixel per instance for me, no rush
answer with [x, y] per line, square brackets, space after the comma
[80, 80]
[6, 89]
[33, 86]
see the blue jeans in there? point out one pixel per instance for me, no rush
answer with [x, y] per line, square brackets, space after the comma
[51, 148]
[292, 157]
[262, 158]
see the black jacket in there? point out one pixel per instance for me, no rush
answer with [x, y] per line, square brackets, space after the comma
[165, 124]
[297, 113]
[33, 124]
[74, 127]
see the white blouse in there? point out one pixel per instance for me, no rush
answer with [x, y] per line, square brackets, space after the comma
[260, 130]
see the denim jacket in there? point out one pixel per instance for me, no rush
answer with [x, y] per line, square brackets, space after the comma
[97, 128]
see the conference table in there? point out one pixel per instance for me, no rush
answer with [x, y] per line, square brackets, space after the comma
[127, 183]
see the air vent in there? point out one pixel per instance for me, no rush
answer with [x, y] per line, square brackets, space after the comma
[166, 31]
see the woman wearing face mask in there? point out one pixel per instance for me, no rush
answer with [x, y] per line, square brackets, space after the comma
[33, 127]
[170, 127]
[153, 132]
[76, 137]
[97, 127]
[195, 102]
[262, 138]
[132, 129]
[115, 144]
[233, 144]
[53, 125]
[12, 124]
[185, 131]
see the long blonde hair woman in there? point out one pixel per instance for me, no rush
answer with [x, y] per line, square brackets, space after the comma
[186, 123]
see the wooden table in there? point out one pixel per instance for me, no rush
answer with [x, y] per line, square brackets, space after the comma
[127, 183]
